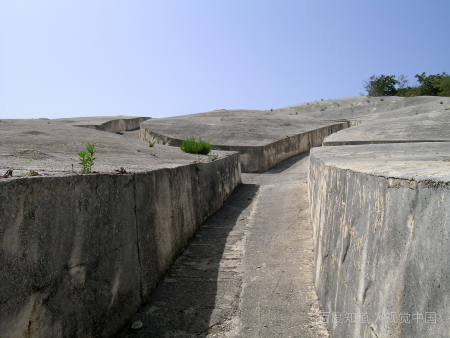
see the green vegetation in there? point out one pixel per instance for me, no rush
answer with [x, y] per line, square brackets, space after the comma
[151, 144]
[87, 159]
[388, 85]
[323, 109]
[213, 157]
[382, 100]
[196, 147]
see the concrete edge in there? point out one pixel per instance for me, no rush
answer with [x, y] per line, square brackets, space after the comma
[117, 125]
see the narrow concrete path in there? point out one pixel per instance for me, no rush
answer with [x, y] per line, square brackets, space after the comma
[249, 270]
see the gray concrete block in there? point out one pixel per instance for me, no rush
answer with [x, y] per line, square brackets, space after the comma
[381, 237]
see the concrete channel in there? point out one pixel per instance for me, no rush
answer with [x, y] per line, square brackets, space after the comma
[81, 254]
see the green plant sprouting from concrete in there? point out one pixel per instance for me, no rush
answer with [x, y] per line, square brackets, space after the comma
[191, 145]
[213, 157]
[87, 158]
[151, 144]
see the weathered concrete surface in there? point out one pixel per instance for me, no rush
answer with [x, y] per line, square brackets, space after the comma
[263, 138]
[426, 127]
[249, 270]
[111, 124]
[362, 109]
[52, 148]
[381, 234]
[79, 254]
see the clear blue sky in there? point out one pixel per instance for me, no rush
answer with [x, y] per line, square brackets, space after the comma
[68, 58]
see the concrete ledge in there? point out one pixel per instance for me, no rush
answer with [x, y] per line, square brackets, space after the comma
[260, 158]
[111, 124]
[381, 233]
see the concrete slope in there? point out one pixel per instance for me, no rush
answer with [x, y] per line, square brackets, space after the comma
[263, 138]
[49, 148]
[427, 127]
[362, 109]
[249, 270]
[81, 253]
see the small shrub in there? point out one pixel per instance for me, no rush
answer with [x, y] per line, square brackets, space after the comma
[323, 109]
[296, 113]
[213, 157]
[431, 84]
[382, 100]
[151, 144]
[87, 159]
[442, 102]
[381, 85]
[445, 86]
[196, 147]
[368, 101]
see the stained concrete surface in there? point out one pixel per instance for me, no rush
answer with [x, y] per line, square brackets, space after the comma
[380, 218]
[249, 270]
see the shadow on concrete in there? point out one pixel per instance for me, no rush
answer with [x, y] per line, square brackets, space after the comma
[286, 164]
[203, 285]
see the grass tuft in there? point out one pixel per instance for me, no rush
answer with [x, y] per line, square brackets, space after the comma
[192, 146]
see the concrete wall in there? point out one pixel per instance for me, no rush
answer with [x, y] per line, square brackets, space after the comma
[261, 158]
[79, 254]
[381, 247]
